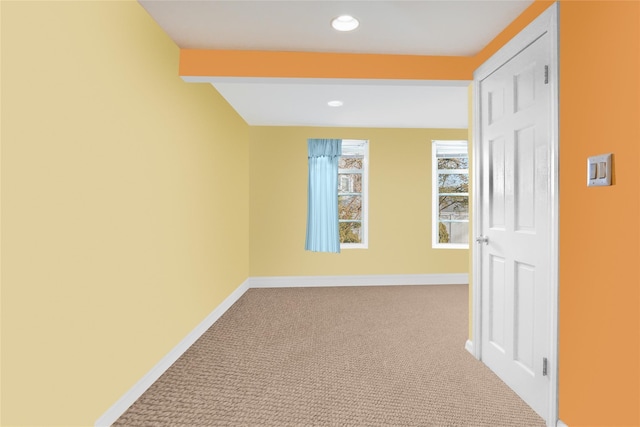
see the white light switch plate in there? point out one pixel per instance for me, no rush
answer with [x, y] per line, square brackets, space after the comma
[599, 170]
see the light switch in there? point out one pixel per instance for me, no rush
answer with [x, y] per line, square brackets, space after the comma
[599, 170]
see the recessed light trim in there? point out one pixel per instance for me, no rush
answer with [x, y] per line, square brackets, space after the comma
[345, 23]
[335, 103]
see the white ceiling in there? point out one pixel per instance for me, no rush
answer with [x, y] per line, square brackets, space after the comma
[418, 27]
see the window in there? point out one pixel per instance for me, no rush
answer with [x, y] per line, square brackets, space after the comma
[450, 194]
[352, 193]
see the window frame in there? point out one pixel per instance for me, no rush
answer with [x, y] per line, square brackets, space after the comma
[364, 221]
[435, 200]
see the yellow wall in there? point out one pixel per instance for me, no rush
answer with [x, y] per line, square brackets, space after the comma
[124, 206]
[599, 226]
[399, 204]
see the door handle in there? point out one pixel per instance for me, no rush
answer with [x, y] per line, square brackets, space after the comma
[482, 239]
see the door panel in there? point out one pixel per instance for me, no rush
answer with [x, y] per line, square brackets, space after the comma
[524, 88]
[524, 315]
[496, 171]
[497, 291]
[525, 179]
[496, 104]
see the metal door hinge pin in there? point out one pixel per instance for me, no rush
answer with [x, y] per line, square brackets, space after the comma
[546, 74]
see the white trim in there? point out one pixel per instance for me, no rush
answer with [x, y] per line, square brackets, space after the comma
[118, 408]
[469, 347]
[309, 80]
[464, 246]
[561, 424]
[476, 259]
[554, 267]
[547, 22]
[371, 280]
[348, 246]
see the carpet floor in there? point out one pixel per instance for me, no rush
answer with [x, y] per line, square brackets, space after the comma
[346, 356]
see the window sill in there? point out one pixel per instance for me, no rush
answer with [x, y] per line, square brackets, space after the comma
[353, 246]
[451, 246]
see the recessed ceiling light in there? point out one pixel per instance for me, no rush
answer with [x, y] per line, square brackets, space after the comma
[345, 23]
[335, 103]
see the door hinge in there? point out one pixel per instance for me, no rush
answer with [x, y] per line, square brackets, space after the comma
[546, 74]
[544, 366]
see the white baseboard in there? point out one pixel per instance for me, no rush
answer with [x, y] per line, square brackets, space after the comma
[370, 280]
[561, 424]
[118, 408]
[469, 347]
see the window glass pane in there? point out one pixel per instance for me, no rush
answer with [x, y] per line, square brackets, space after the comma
[350, 183]
[349, 207]
[454, 207]
[453, 232]
[350, 163]
[453, 183]
[453, 163]
[350, 232]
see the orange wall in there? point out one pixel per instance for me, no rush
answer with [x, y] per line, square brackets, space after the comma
[237, 63]
[599, 227]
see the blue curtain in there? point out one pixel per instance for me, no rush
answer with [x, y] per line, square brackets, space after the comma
[322, 206]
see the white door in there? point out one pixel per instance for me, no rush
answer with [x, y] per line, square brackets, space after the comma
[515, 241]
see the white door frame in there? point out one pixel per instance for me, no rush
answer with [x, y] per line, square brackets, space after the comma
[547, 22]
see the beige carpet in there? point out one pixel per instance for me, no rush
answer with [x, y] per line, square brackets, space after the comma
[357, 356]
